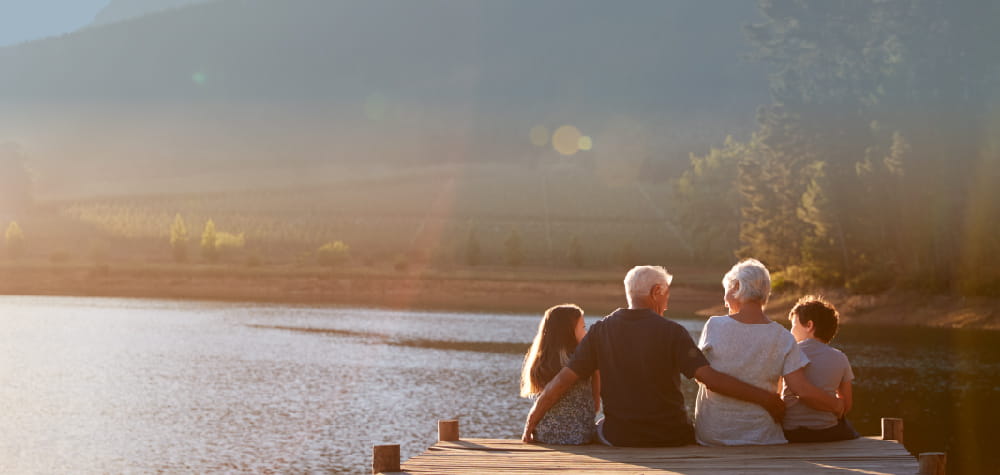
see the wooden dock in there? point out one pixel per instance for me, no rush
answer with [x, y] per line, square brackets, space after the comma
[867, 455]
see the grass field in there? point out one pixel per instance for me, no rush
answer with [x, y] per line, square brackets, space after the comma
[408, 232]
[422, 215]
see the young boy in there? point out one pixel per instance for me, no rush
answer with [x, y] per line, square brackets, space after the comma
[814, 324]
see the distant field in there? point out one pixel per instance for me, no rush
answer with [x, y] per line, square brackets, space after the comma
[419, 214]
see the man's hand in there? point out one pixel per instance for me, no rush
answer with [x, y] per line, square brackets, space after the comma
[528, 437]
[549, 396]
[811, 395]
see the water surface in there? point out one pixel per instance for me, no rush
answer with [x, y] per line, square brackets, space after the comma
[114, 385]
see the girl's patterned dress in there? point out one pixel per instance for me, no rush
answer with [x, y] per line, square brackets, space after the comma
[571, 420]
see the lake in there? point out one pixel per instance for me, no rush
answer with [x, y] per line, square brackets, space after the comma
[128, 385]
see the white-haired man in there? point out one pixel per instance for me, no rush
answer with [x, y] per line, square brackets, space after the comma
[641, 356]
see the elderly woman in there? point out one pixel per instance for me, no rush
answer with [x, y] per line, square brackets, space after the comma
[758, 351]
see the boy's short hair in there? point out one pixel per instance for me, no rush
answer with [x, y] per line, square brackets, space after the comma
[823, 314]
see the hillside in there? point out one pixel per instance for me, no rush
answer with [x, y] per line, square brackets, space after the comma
[119, 10]
[290, 85]
[651, 54]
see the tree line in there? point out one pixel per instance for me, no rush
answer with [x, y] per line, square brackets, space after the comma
[876, 164]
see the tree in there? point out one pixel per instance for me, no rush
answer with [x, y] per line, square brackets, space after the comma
[849, 145]
[472, 250]
[15, 240]
[209, 249]
[512, 245]
[707, 200]
[770, 185]
[179, 238]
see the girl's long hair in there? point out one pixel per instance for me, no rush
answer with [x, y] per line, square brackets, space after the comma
[551, 349]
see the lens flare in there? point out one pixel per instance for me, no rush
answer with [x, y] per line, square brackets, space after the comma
[199, 78]
[566, 140]
[586, 143]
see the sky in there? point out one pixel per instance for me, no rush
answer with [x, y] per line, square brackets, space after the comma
[25, 20]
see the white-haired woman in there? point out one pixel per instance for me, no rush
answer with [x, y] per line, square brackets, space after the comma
[751, 347]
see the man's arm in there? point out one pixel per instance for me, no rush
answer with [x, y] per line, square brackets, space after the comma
[549, 396]
[729, 386]
[812, 396]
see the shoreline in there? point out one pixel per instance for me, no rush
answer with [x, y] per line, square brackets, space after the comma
[483, 290]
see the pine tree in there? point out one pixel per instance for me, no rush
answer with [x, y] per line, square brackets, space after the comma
[14, 240]
[209, 248]
[179, 238]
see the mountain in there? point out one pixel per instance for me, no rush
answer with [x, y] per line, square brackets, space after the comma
[242, 81]
[645, 54]
[119, 10]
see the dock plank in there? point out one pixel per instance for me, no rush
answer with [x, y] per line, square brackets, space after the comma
[867, 455]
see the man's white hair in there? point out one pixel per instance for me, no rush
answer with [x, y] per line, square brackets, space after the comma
[753, 278]
[641, 279]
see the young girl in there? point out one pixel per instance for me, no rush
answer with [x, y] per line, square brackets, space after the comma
[571, 420]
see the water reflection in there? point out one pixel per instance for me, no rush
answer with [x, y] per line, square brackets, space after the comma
[114, 385]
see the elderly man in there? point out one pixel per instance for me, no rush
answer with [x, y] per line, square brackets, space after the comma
[641, 355]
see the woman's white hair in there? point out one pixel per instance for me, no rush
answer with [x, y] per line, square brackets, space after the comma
[753, 278]
[641, 279]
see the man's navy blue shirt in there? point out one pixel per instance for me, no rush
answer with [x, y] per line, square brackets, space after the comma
[640, 355]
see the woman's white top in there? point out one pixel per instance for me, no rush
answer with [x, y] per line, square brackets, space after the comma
[757, 354]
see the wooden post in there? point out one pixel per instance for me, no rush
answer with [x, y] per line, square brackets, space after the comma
[932, 463]
[448, 430]
[892, 429]
[385, 458]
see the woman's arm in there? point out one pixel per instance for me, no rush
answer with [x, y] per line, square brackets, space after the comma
[812, 396]
[595, 386]
[844, 392]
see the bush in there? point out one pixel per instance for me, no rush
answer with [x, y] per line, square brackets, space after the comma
[871, 281]
[225, 241]
[793, 276]
[333, 253]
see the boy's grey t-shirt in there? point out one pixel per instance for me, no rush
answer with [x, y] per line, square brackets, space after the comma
[827, 368]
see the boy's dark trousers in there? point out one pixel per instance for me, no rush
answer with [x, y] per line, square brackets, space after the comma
[842, 431]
